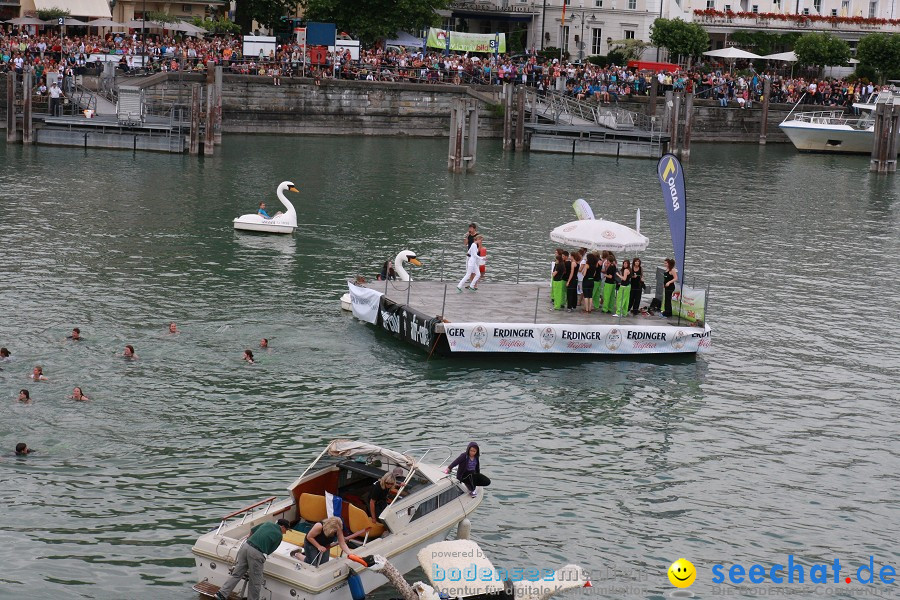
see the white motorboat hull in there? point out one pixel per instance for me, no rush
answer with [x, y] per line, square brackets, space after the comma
[346, 302]
[277, 587]
[838, 139]
[264, 225]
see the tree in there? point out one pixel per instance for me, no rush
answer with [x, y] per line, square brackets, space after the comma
[881, 52]
[621, 51]
[678, 37]
[266, 12]
[821, 50]
[51, 14]
[372, 19]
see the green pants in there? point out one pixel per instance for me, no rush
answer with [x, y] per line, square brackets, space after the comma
[623, 299]
[598, 289]
[558, 294]
[609, 297]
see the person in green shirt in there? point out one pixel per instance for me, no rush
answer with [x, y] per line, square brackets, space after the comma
[264, 540]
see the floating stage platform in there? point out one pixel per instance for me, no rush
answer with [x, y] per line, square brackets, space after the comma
[513, 318]
[160, 134]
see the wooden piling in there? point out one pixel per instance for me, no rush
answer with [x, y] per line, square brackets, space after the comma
[472, 137]
[209, 131]
[520, 118]
[11, 107]
[451, 152]
[674, 127]
[218, 128]
[194, 142]
[27, 125]
[457, 134]
[879, 145]
[688, 122]
[891, 157]
[654, 92]
[507, 116]
[764, 119]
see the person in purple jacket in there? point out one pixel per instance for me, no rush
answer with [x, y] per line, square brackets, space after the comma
[468, 469]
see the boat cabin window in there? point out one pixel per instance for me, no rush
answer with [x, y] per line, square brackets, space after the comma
[435, 502]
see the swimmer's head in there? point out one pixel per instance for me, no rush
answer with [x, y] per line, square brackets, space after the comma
[129, 350]
[22, 449]
[172, 327]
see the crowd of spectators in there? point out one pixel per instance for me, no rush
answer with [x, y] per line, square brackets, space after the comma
[48, 52]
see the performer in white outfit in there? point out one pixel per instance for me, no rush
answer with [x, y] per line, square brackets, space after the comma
[472, 270]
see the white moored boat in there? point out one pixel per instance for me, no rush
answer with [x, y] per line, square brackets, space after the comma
[834, 130]
[285, 222]
[429, 505]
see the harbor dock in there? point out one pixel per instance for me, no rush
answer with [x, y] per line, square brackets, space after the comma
[516, 318]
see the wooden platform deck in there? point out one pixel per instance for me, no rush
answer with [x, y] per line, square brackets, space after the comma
[500, 303]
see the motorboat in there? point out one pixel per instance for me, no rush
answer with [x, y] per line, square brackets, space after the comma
[404, 256]
[285, 222]
[428, 505]
[836, 131]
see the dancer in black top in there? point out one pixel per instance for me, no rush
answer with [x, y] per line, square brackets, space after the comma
[637, 286]
[670, 280]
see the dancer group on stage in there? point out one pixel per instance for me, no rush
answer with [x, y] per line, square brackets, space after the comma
[597, 280]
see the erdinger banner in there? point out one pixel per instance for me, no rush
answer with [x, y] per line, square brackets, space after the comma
[671, 178]
[575, 339]
[365, 303]
[690, 303]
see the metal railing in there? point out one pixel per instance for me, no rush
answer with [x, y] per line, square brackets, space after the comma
[832, 117]
[562, 109]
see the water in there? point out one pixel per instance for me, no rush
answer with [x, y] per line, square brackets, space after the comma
[782, 441]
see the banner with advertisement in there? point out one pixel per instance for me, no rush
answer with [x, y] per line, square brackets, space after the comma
[671, 179]
[583, 210]
[365, 303]
[407, 324]
[467, 42]
[689, 303]
[576, 339]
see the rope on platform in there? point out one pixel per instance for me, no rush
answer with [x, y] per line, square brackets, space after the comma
[437, 339]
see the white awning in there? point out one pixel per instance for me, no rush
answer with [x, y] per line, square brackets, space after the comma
[351, 448]
[77, 8]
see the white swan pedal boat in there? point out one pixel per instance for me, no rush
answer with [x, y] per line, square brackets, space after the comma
[403, 256]
[285, 222]
[429, 505]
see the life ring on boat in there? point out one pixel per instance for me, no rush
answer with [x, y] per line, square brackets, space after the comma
[358, 559]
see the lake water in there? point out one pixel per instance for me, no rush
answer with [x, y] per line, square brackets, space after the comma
[782, 441]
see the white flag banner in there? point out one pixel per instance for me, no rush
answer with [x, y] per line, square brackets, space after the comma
[365, 303]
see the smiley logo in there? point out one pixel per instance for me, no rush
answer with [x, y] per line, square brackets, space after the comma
[682, 573]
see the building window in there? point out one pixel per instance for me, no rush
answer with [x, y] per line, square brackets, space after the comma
[187, 8]
[805, 11]
[597, 41]
[845, 8]
[778, 4]
[632, 4]
[568, 2]
[817, 4]
[710, 4]
[755, 8]
[873, 9]
[565, 40]
[629, 34]
[598, 3]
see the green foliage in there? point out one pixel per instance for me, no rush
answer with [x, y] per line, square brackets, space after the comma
[616, 57]
[627, 50]
[678, 37]
[551, 52]
[52, 14]
[598, 59]
[821, 49]
[267, 13]
[879, 56]
[497, 110]
[372, 19]
[160, 17]
[516, 41]
[222, 26]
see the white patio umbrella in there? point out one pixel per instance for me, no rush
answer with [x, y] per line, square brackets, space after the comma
[188, 28]
[69, 21]
[137, 24]
[27, 21]
[105, 23]
[599, 234]
[782, 56]
[732, 53]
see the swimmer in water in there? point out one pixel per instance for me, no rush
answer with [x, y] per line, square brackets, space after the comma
[22, 449]
[248, 356]
[76, 335]
[4, 354]
[78, 395]
[24, 396]
[173, 329]
[264, 343]
[37, 374]
[129, 352]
